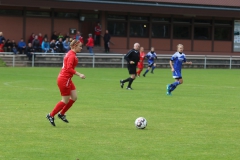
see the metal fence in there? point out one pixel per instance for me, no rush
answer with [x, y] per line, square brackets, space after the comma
[201, 60]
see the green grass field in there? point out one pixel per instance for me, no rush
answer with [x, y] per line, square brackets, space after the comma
[201, 121]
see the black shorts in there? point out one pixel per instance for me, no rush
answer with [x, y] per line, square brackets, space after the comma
[132, 69]
[150, 65]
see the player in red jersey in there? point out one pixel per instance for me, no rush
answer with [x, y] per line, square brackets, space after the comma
[140, 63]
[65, 84]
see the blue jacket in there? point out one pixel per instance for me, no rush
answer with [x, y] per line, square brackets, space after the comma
[45, 45]
[21, 44]
[66, 45]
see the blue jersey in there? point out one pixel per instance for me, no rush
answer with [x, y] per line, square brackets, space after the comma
[178, 58]
[151, 56]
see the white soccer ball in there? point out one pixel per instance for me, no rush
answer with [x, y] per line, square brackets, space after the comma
[141, 123]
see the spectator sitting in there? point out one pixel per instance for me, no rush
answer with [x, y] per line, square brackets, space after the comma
[66, 45]
[40, 38]
[14, 47]
[1, 37]
[54, 36]
[21, 46]
[2, 46]
[66, 36]
[53, 47]
[59, 45]
[30, 51]
[8, 46]
[36, 44]
[45, 45]
[31, 38]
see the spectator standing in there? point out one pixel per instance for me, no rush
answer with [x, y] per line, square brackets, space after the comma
[14, 47]
[54, 36]
[60, 36]
[53, 46]
[2, 45]
[21, 46]
[36, 44]
[106, 39]
[59, 45]
[45, 45]
[79, 37]
[31, 38]
[30, 51]
[40, 38]
[1, 37]
[66, 45]
[97, 34]
[90, 44]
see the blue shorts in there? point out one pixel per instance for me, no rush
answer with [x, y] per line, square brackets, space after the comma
[177, 74]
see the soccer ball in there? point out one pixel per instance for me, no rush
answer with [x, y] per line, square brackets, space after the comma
[141, 123]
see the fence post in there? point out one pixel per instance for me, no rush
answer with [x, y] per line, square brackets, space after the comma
[230, 66]
[13, 60]
[93, 65]
[205, 62]
[122, 61]
[33, 57]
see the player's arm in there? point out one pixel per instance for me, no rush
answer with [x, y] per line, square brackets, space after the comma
[80, 75]
[171, 65]
[188, 62]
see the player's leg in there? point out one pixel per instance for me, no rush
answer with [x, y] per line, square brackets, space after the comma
[153, 67]
[132, 77]
[149, 66]
[178, 80]
[125, 80]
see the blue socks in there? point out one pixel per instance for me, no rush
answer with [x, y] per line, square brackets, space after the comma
[174, 85]
[146, 71]
[153, 67]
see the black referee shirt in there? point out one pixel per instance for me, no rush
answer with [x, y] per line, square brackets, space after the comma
[132, 55]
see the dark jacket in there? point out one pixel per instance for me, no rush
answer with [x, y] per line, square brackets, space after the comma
[132, 55]
[106, 37]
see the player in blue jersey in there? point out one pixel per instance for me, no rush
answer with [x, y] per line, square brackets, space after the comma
[176, 62]
[151, 56]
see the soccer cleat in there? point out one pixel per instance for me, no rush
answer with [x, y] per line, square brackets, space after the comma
[51, 119]
[144, 75]
[169, 93]
[168, 87]
[121, 83]
[152, 72]
[129, 88]
[62, 117]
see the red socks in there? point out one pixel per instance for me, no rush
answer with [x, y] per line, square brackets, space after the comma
[57, 108]
[66, 107]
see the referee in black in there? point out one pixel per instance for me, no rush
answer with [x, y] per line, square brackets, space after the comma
[132, 58]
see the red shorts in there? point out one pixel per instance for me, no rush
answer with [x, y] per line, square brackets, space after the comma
[65, 86]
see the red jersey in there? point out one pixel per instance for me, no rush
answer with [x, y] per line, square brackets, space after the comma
[142, 56]
[90, 42]
[69, 63]
[98, 30]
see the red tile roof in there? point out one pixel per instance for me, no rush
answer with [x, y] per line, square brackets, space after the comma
[232, 3]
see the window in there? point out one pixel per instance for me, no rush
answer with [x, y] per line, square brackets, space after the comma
[139, 29]
[11, 12]
[90, 15]
[182, 32]
[160, 30]
[223, 33]
[117, 28]
[116, 17]
[203, 33]
[138, 18]
[202, 21]
[37, 13]
[160, 19]
[66, 15]
[182, 20]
